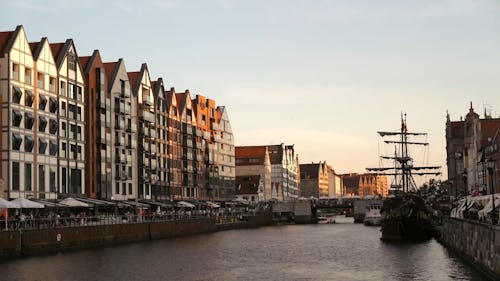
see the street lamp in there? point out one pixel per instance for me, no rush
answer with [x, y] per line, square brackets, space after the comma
[491, 166]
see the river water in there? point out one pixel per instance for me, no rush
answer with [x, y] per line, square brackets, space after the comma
[342, 251]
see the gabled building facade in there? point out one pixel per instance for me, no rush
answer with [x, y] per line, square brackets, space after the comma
[190, 188]
[142, 92]
[314, 180]
[286, 172]
[160, 188]
[122, 147]
[174, 147]
[98, 130]
[71, 132]
[224, 147]
[255, 160]
[19, 88]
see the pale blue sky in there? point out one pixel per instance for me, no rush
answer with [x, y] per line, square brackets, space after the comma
[323, 75]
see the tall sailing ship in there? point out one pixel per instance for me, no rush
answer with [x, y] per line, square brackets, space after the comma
[405, 215]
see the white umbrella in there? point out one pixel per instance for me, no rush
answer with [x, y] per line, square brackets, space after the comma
[72, 202]
[4, 204]
[185, 204]
[27, 204]
[213, 205]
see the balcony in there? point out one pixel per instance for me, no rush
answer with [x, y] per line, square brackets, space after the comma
[118, 142]
[146, 115]
[148, 100]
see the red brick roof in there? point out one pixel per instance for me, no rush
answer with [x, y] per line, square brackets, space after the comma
[4, 38]
[56, 49]
[132, 77]
[243, 154]
[247, 184]
[109, 67]
[33, 46]
[83, 61]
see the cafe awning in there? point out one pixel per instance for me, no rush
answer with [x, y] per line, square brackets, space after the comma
[72, 202]
[4, 204]
[184, 204]
[27, 204]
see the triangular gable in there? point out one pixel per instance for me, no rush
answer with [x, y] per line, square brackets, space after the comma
[96, 56]
[111, 69]
[224, 117]
[67, 46]
[42, 47]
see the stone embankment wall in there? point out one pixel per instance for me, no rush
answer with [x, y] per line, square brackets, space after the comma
[476, 242]
[28, 242]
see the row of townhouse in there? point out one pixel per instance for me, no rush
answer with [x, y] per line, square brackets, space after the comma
[77, 126]
[367, 184]
[273, 172]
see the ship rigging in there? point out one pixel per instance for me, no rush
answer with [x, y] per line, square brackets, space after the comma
[403, 169]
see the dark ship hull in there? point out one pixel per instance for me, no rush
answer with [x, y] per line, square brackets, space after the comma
[406, 217]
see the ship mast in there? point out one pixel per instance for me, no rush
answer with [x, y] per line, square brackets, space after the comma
[403, 163]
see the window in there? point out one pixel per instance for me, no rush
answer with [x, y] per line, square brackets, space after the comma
[15, 71]
[53, 126]
[27, 76]
[79, 93]
[52, 84]
[15, 176]
[42, 123]
[43, 102]
[129, 188]
[63, 109]
[63, 180]
[63, 148]
[16, 94]
[53, 147]
[29, 98]
[16, 118]
[117, 188]
[41, 81]
[62, 89]
[29, 120]
[52, 105]
[72, 61]
[42, 146]
[27, 177]
[28, 143]
[16, 141]
[124, 189]
[41, 178]
[79, 113]
[52, 180]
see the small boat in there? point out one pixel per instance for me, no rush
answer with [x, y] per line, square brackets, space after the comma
[372, 215]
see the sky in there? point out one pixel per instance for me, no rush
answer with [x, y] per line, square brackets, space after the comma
[322, 75]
